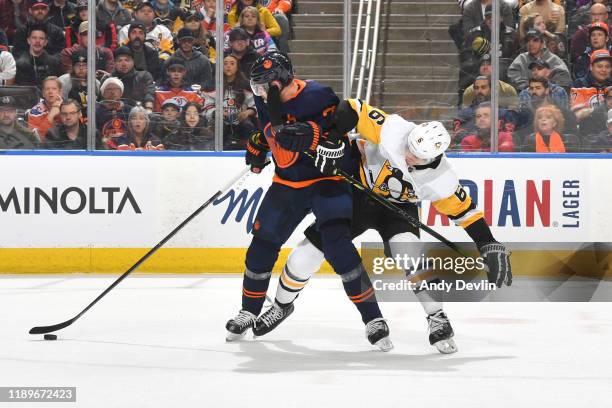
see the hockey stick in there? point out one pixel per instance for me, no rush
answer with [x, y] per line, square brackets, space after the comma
[59, 326]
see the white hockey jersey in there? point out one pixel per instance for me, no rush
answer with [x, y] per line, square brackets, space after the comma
[384, 169]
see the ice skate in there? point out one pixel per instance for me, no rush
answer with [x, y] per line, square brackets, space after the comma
[441, 333]
[377, 333]
[271, 319]
[238, 326]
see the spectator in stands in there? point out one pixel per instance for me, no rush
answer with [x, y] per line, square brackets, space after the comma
[39, 11]
[549, 11]
[555, 93]
[548, 136]
[8, 68]
[239, 112]
[589, 94]
[208, 11]
[72, 31]
[175, 86]
[14, 135]
[193, 22]
[74, 84]
[111, 13]
[473, 14]
[167, 13]
[138, 85]
[518, 73]
[13, 15]
[260, 40]
[36, 64]
[71, 134]
[602, 142]
[280, 9]
[554, 42]
[479, 140]
[146, 58]
[580, 40]
[265, 16]
[112, 113]
[45, 114]
[139, 136]
[598, 40]
[62, 12]
[507, 93]
[193, 133]
[157, 35]
[105, 61]
[168, 127]
[581, 15]
[199, 69]
[241, 49]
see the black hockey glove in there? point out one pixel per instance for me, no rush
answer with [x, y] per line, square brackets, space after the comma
[498, 266]
[299, 136]
[256, 152]
[328, 156]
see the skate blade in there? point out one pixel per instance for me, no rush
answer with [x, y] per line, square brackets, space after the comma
[229, 337]
[447, 346]
[384, 344]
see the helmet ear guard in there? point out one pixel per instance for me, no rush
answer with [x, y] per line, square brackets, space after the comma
[428, 140]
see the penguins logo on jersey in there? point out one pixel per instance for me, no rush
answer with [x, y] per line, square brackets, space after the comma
[391, 184]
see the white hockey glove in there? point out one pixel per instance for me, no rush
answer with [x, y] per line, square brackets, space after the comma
[498, 266]
[328, 156]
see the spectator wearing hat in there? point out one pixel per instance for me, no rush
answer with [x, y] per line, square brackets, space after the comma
[175, 85]
[548, 136]
[111, 13]
[518, 73]
[266, 17]
[199, 69]
[193, 21]
[598, 40]
[556, 43]
[138, 85]
[8, 68]
[474, 14]
[555, 94]
[62, 12]
[45, 114]
[36, 64]
[168, 127]
[240, 48]
[580, 40]
[39, 12]
[550, 11]
[168, 13]
[507, 93]
[599, 143]
[146, 58]
[13, 134]
[156, 35]
[112, 113]
[105, 61]
[71, 133]
[13, 15]
[74, 83]
[259, 38]
[72, 31]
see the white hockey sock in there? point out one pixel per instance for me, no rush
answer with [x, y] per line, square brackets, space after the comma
[303, 262]
[430, 305]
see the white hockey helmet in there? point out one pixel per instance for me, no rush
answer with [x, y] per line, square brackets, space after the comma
[428, 140]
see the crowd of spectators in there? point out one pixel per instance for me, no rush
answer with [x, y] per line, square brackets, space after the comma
[555, 84]
[155, 71]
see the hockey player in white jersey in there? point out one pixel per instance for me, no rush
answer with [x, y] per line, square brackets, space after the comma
[404, 163]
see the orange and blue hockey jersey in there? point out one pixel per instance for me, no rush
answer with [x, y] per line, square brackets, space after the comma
[311, 102]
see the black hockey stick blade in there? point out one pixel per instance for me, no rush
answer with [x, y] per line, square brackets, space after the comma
[56, 327]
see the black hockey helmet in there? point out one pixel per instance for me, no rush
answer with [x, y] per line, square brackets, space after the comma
[272, 66]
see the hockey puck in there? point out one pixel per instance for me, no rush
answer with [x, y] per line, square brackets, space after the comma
[50, 336]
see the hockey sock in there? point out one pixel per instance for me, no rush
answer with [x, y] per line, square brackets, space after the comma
[254, 288]
[430, 305]
[303, 262]
[358, 288]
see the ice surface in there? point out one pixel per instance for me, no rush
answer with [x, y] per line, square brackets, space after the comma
[159, 342]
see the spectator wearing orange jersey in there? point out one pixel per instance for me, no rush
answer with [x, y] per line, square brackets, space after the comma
[175, 86]
[45, 114]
